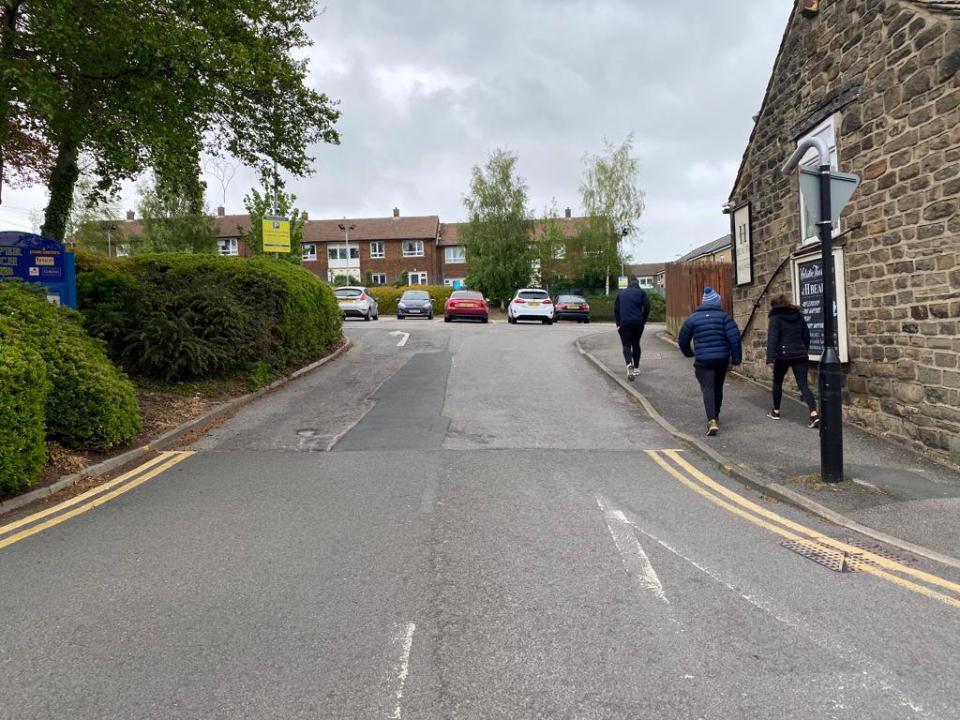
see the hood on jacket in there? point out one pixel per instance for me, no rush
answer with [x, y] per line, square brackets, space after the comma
[787, 313]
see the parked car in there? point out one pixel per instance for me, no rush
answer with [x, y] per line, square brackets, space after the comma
[531, 304]
[466, 304]
[416, 303]
[572, 307]
[356, 301]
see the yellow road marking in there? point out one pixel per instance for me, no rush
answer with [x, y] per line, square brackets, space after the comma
[865, 567]
[826, 540]
[169, 461]
[83, 496]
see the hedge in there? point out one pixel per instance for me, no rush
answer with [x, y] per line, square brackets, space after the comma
[387, 297]
[90, 404]
[177, 316]
[23, 395]
[601, 307]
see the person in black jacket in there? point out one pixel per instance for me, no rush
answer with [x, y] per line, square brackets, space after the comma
[630, 312]
[788, 348]
[716, 343]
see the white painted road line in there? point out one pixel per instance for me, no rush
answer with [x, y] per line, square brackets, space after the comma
[404, 636]
[403, 340]
[635, 560]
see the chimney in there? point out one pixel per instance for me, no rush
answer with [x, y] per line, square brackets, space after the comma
[130, 214]
[220, 211]
[396, 212]
[566, 213]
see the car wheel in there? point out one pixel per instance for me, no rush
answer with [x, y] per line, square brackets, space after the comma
[446, 318]
[587, 321]
[399, 316]
[484, 320]
[366, 318]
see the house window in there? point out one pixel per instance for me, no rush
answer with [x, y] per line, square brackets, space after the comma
[308, 252]
[377, 251]
[417, 278]
[454, 255]
[413, 248]
[378, 279]
[228, 246]
[337, 253]
[646, 282]
[826, 131]
[455, 282]
[559, 252]
[354, 252]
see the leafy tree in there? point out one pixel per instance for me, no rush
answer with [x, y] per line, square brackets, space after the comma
[145, 83]
[497, 234]
[614, 203]
[173, 221]
[551, 247]
[94, 224]
[261, 204]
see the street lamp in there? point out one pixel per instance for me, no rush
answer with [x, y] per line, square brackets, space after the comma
[346, 232]
[110, 228]
[623, 235]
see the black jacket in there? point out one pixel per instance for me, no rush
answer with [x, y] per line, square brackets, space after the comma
[788, 337]
[632, 307]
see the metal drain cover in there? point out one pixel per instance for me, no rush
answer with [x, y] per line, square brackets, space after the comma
[829, 557]
[875, 548]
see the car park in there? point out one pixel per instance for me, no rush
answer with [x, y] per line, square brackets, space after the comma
[356, 301]
[466, 304]
[531, 304]
[572, 307]
[415, 303]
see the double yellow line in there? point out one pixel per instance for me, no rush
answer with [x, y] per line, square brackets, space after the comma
[33, 524]
[907, 577]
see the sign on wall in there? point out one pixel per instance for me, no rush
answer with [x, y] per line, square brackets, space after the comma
[36, 259]
[808, 281]
[276, 234]
[742, 245]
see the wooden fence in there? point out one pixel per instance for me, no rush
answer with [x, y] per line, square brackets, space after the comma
[685, 282]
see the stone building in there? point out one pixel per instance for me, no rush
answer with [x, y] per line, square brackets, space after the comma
[878, 80]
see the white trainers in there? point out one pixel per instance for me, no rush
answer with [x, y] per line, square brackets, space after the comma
[630, 372]
[636, 371]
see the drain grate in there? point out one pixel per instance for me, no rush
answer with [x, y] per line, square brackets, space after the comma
[829, 557]
[878, 549]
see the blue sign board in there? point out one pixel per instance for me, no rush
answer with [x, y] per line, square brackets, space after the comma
[457, 284]
[40, 260]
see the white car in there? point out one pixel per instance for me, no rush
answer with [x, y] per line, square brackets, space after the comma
[356, 301]
[531, 304]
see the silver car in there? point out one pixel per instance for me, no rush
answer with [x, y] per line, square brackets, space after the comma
[356, 301]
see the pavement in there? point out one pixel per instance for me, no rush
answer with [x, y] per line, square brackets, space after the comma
[887, 488]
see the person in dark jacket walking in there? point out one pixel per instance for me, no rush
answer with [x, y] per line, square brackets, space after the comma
[716, 342]
[788, 348]
[630, 312]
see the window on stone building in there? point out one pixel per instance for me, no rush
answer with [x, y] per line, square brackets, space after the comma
[826, 131]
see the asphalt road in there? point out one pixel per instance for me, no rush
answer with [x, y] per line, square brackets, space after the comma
[476, 524]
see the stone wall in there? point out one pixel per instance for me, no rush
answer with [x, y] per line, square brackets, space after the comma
[888, 70]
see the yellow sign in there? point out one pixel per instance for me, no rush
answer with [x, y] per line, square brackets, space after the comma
[276, 234]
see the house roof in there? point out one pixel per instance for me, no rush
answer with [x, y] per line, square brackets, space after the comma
[450, 232]
[227, 225]
[709, 248]
[384, 228]
[647, 269]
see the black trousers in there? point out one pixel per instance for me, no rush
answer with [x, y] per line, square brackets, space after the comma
[711, 377]
[630, 339]
[799, 367]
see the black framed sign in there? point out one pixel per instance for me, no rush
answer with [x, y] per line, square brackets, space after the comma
[808, 294]
[742, 245]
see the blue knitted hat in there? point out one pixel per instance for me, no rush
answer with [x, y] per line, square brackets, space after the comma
[710, 296]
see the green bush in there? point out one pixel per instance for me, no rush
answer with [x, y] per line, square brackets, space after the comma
[601, 307]
[23, 395]
[181, 317]
[387, 297]
[90, 404]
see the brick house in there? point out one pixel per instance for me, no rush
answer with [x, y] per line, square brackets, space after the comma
[878, 81]
[384, 247]
[650, 275]
[719, 250]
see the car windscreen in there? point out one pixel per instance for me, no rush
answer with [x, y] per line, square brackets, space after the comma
[466, 295]
[534, 295]
[347, 292]
[570, 299]
[414, 296]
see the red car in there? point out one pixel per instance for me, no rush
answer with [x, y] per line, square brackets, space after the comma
[466, 304]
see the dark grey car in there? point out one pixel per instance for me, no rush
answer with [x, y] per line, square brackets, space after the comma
[415, 303]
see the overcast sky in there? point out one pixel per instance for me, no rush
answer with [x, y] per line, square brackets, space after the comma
[428, 88]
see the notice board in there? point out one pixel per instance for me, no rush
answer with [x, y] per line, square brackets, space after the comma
[808, 282]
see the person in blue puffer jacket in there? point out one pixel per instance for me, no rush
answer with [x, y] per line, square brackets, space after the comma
[716, 342]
